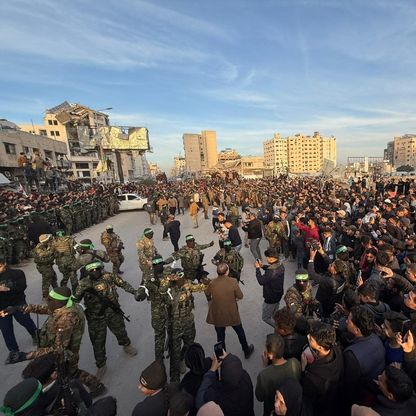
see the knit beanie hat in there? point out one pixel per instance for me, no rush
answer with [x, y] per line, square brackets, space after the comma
[154, 376]
[21, 397]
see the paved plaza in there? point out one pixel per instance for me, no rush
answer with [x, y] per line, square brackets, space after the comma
[123, 371]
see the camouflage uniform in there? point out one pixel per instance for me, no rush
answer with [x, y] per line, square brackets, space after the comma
[44, 257]
[234, 260]
[52, 219]
[182, 329]
[301, 303]
[66, 218]
[191, 260]
[89, 256]
[113, 244]
[64, 251]
[101, 316]
[19, 235]
[272, 233]
[146, 250]
[63, 331]
[159, 309]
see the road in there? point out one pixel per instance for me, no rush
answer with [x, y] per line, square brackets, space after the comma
[122, 371]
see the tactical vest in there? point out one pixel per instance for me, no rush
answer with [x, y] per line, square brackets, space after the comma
[63, 245]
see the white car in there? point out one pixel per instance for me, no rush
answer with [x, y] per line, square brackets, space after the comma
[131, 201]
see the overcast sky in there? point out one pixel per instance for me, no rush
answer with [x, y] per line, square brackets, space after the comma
[245, 68]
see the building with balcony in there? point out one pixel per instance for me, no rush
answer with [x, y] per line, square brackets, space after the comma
[299, 153]
[404, 150]
[14, 141]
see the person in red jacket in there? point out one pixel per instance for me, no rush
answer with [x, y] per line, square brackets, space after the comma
[310, 231]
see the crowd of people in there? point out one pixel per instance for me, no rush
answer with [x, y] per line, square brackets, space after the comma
[342, 336]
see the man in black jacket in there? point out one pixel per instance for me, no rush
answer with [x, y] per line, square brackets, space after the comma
[272, 281]
[255, 234]
[331, 284]
[12, 293]
[322, 370]
[233, 234]
[173, 228]
[152, 383]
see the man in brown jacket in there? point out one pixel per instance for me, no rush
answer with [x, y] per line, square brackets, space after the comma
[223, 293]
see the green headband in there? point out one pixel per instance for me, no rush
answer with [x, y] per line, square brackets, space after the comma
[85, 245]
[157, 261]
[147, 231]
[180, 274]
[302, 277]
[227, 242]
[189, 237]
[9, 412]
[93, 266]
[60, 233]
[57, 296]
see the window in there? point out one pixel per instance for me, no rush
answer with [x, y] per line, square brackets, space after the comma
[131, 197]
[42, 132]
[10, 148]
[50, 122]
[121, 197]
[26, 149]
[52, 133]
[48, 154]
[57, 133]
[55, 122]
[82, 165]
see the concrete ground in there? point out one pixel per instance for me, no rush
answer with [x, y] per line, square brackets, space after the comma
[123, 372]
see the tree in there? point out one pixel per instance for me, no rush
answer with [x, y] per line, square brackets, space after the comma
[405, 168]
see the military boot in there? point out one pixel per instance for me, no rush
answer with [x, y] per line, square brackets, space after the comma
[130, 350]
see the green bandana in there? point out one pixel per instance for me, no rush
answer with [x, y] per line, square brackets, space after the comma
[9, 412]
[60, 233]
[86, 245]
[302, 277]
[157, 261]
[189, 237]
[147, 231]
[227, 242]
[57, 296]
[92, 266]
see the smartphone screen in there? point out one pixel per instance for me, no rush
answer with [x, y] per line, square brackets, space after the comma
[218, 349]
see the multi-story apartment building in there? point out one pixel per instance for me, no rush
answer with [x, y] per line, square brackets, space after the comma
[389, 152]
[14, 141]
[75, 125]
[298, 153]
[179, 166]
[200, 151]
[404, 150]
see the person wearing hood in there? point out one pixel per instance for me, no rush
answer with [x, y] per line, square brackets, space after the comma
[233, 392]
[288, 399]
[322, 366]
[198, 365]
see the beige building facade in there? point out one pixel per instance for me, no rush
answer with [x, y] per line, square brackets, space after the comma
[228, 154]
[298, 153]
[74, 125]
[179, 166]
[200, 151]
[14, 141]
[404, 150]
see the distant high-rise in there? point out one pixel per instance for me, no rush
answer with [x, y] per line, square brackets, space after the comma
[298, 153]
[200, 151]
[404, 150]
